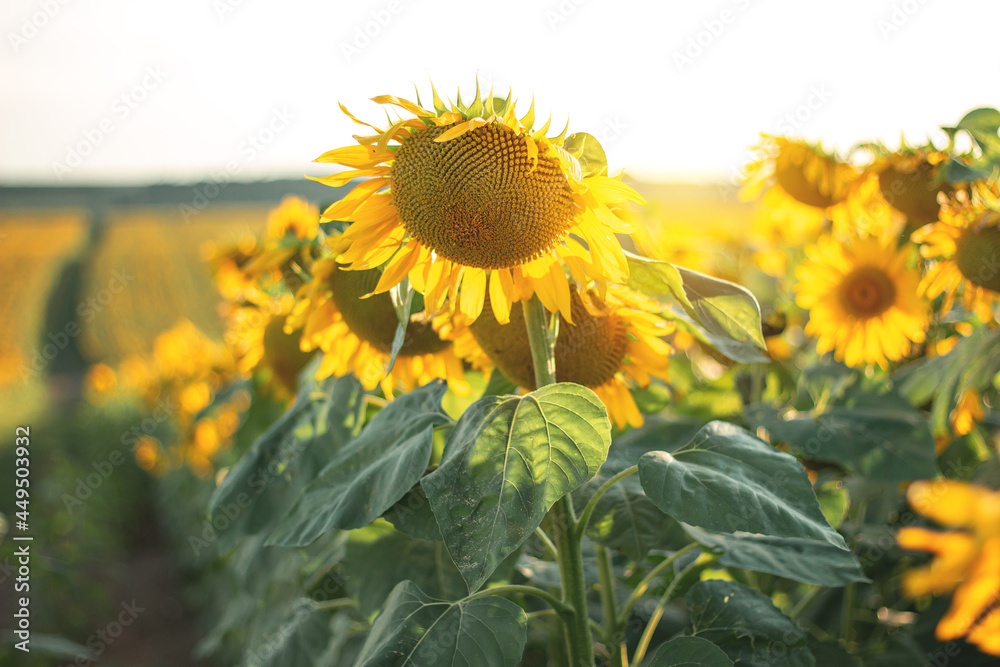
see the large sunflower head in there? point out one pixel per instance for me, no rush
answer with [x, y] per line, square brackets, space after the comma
[862, 300]
[608, 341]
[339, 315]
[964, 246]
[470, 198]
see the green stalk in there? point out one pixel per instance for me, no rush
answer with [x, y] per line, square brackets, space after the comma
[609, 604]
[654, 620]
[574, 588]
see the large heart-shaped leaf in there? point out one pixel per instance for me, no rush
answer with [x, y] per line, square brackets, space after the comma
[414, 629]
[378, 557]
[746, 625]
[259, 490]
[728, 313]
[372, 472]
[507, 462]
[881, 437]
[726, 479]
[805, 560]
[690, 652]
[412, 515]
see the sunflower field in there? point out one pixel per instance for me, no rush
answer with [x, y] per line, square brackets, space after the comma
[489, 408]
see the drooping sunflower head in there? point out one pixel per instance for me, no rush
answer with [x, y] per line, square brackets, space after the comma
[910, 181]
[467, 198]
[608, 341]
[257, 336]
[862, 300]
[803, 188]
[964, 246]
[803, 172]
[354, 329]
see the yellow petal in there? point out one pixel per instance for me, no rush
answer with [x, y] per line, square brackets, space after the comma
[398, 267]
[501, 288]
[405, 104]
[460, 129]
[473, 292]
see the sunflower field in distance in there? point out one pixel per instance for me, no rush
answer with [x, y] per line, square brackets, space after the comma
[498, 387]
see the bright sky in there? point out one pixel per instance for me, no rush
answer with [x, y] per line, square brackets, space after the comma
[117, 91]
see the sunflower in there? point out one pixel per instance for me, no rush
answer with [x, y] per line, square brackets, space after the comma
[966, 558]
[467, 199]
[802, 187]
[257, 336]
[339, 315]
[862, 300]
[964, 246]
[182, 380]
[295, 216]
[968, 412]
[608, 342]
[252, 270]
[910, 180]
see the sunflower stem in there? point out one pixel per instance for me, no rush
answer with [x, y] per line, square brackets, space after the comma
[609, 604]
[574, 588]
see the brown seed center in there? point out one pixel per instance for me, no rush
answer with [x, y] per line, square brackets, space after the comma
[476, 199]
[867, 292]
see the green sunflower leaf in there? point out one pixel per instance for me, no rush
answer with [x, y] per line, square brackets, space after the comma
[805, 560]
[508, 460]
[971, 364]
[746, 625]
[402, 299]
[379, 557]
[982, 125]
[727, 480]
[728, 314]
[875, 434]
[296, 639]
[690, 652]
[372, 472]
[260, 489]
[414, 629]
[588, 152]
[624, 518]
